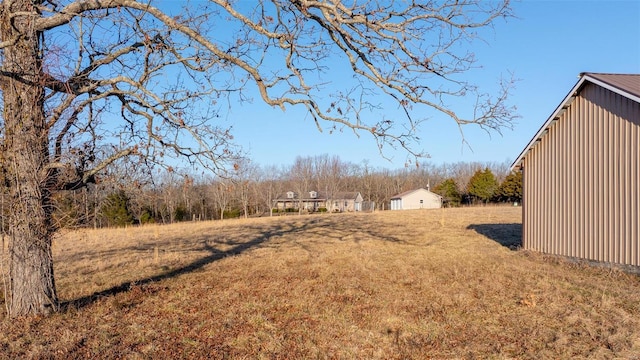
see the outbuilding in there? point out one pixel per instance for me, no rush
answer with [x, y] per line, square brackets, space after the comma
[416, 199]
[581, 174]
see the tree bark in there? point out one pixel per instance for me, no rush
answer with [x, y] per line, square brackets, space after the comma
[32, 286]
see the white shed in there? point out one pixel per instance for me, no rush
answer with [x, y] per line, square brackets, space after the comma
[416, 199]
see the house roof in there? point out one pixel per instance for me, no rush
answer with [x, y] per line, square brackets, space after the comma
[401, 195]
[627, 85]
[322, 196]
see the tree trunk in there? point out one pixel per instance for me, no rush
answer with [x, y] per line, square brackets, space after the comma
[32, 283]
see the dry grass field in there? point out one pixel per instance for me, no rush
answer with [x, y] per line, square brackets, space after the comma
[441, 284]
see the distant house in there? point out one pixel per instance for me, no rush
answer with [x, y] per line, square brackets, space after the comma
[581, 174]
[315, 201]
[416, 199]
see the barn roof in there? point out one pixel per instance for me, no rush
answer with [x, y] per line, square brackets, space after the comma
[619, 83]
[627, 85]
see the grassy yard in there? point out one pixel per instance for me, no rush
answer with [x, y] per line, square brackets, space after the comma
[446, 283]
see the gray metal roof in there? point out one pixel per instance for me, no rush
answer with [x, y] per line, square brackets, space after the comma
[627, 85]
[321, 196]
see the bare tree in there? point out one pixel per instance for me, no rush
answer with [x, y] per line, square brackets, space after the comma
[166, 191]
[330, 173]
[200, 198]
[86, 82]
[302, 175]
[244, 175]
[221, 192]
[270, 186]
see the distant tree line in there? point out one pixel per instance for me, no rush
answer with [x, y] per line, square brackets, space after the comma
[128, 196]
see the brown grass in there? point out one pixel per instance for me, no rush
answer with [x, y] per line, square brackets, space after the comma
[390, 285]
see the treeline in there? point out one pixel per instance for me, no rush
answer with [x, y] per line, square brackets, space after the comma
[132, 196]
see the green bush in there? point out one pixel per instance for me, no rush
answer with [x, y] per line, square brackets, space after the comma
[231, 214]
[180, 213]
[147, 218]
[116, 209]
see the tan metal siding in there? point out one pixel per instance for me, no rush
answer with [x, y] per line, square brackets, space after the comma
[582, 181]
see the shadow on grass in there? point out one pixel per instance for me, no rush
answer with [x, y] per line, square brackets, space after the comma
[508, 235]
[324, 227]
[215, 255]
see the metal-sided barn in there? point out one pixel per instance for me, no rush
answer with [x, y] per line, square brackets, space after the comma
[416, 199]
[581, 173]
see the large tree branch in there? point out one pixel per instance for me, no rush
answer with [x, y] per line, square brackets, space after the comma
[88, 176]
[78, 8]
[383, 45]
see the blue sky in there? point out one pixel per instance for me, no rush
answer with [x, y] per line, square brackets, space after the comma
[547, 46]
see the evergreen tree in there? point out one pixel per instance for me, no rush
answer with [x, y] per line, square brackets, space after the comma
[482, 185]
[511, 188]
[116, 209]
[448, 189]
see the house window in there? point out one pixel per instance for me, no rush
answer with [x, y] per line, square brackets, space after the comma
[289, 194]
